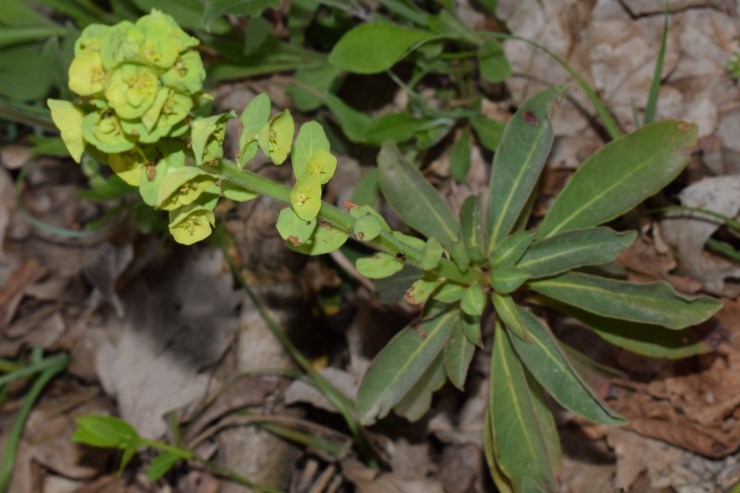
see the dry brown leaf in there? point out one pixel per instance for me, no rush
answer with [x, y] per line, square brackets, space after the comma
[368, 481]
[26, 274]
[689, 232]
[669, 468]
[174, 329]
[45, 442]
[300, 391]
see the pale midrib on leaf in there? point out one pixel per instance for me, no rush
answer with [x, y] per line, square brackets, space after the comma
[562, 253]
[567, 370]
[581, 287]
[403, 369]
[517, 405]
[514, 188]
[473, 238]
[606, 191]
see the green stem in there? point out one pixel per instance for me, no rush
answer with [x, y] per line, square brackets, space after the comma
[164, 447]
[343, 403]
[227, 473]
[255, 183]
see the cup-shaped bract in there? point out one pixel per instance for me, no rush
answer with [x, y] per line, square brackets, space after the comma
[128, 165]
[183, 186]
[68, 119]
[91, 38]
[186, 74]
[104, 131]
[122, 43]
[276, 137]
[305, 198]
[131, 90]
[86, 73]
[322, 164]
[189, 225]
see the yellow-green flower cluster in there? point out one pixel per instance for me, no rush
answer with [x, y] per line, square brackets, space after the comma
[137, 84]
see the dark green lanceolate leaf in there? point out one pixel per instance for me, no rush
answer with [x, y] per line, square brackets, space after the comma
[418, 400]
[311, 138]
[460, 157]
[519, 427]
[567, 251]
[506, 280]
[518, 162]
[22, 77]
[471, 227]
[502, 482]
[489, 132]
[645, 339]
[217, 8]
[397, 368]
[507, 311]
[458, 354]
[413, 198]
[492, 61]
[393, 127]
[379, 265]
[511, 249]
[620, 175]
[372, 48]
[354, 123]
[547, 363]
[367, 189]
[653, 303]
[320, 76]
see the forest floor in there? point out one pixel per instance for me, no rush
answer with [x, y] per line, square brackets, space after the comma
[163, 337]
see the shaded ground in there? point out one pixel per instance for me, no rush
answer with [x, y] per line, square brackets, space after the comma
[156, 331]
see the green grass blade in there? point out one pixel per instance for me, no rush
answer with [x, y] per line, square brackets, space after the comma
[52, 366]
[601, 110]
[652, 102]
[344, 404]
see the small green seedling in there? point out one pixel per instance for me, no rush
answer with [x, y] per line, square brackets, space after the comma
[141, 110]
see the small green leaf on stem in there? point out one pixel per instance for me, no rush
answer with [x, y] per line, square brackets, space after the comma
[473, 300]
[506, 280]
[379, 265]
